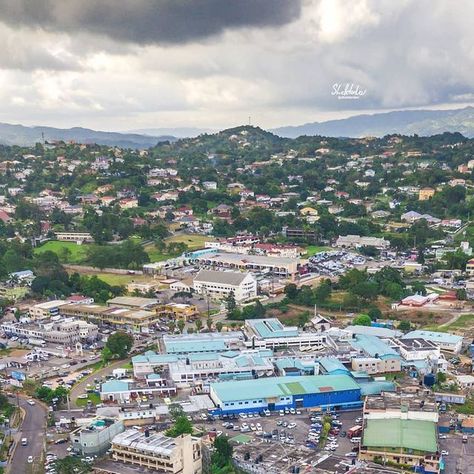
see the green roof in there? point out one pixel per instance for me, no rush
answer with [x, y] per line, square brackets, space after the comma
[396, 433]
[282, 387]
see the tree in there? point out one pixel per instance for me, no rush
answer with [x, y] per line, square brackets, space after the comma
[219, 326]
[461, 294]
[222, 454]
[441, 378]
[362, 320]
[181, 426]
[291, 291]
[181, 324]
[404, 325]
[418, 287]
[198, 324]
[209, 323]
[230, 303]
[374, 313]
[106, 354]
[71, 465]
[175, 410]
[120, 344]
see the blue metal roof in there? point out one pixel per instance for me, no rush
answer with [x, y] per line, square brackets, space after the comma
[441, 337]
[114, 386]
[332, 365]
[374, 346]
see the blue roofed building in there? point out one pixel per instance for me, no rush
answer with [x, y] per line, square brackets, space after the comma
[206, 342]
[275, 393]
[444, 340]
[289, 366]
[332, 366]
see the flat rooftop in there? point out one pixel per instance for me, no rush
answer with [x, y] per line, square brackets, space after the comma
[440, 337]
[396, 433]
[404, 402]
[240, 259]
[156, 443]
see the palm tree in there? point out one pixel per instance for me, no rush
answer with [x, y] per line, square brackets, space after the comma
[198, 324]
[209, 323]
[219, 326]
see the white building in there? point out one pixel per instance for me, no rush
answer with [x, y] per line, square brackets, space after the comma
[445, 341]
[270, 333]
[157, 452]
[356, 241]
[418, 349]
[219, 285]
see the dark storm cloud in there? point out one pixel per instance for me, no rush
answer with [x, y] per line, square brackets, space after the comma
[148, 21]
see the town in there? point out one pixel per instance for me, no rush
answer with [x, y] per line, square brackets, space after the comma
[238, 301]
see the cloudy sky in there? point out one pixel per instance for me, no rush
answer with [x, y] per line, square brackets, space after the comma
[133, 64]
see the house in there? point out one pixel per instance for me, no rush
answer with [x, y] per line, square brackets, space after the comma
[425, 194]
[219, 285]
[419, 300]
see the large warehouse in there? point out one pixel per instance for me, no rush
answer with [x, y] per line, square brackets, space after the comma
[276, 393]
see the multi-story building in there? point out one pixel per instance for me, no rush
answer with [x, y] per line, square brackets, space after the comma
[75, 237]
[270, 334]
[401, 429]
[124, 391]
[219, 285]
[356, 241]
[157, 452]
[134, 320]
[94, 439]
[46, 309]
[445, 341]
[188, 369]
[65, 332]
[375, 355]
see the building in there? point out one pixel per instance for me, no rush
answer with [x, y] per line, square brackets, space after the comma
[219, 285]
[270, 333]
[470, 267]
[133, 302]
[282, 267]
[356, 241]
[401, 441]
[425, 194]
[65, 332]
[418, 349]
[134, 320]
[275, 393]
[375, 356]
[46, 309]
[125, 391]
[94, 438]
[181, 310]
[79, 237]
[157, 452]
[202, 342]
[419, 300]
[445, 341]
[466, 382]
[186, 370]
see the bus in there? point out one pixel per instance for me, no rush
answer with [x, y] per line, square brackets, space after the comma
[354, 431]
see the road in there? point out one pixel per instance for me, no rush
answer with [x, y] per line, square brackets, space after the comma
[33, 428]
[80, 387]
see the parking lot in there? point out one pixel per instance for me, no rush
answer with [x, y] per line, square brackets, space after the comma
[460, 458]
[289, 430]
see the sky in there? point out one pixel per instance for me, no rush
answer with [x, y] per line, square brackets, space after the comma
[137, 64]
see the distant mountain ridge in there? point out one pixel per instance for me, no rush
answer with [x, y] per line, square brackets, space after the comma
[13, 134]
[404, 122]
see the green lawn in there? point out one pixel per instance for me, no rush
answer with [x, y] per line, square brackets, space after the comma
[314, 249]
[94, 398]
[115, 279]
[465, 321]
[77, 254]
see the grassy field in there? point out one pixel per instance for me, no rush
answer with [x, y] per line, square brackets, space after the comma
[314, 249]
[119, 280]
[77, 254]
[466, 321]
[193, 241]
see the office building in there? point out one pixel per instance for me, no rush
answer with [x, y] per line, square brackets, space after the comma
[218, 284]
[157, 452]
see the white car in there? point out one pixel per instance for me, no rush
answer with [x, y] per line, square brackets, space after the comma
[292, 425]
[31, 402]
[30, 459]
[444, 453]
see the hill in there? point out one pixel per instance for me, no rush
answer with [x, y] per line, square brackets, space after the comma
[404, 122]
[11, 134]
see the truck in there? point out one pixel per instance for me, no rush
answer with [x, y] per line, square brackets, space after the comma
[36, 342]
[355, 431]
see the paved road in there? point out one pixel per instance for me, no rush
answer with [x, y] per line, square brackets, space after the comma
[80, 387]
[33, 428]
